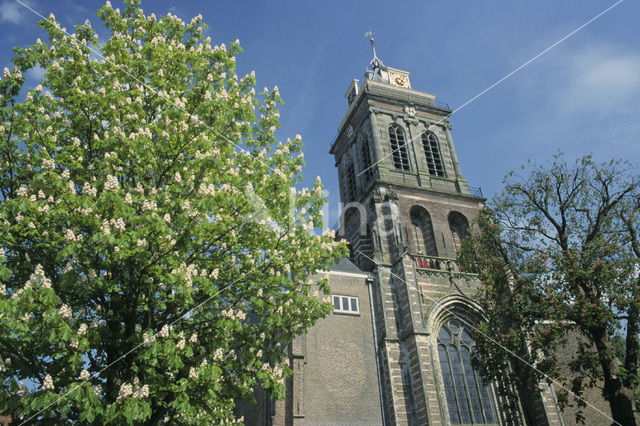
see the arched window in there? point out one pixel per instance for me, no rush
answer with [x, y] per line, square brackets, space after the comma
[354, 226]
[422, 230]
[398, 147]
[469, 399]
[366, 158]
[351, 180]
[432, 153]
[459, 228]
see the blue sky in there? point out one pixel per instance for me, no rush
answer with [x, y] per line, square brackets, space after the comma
[583, 96]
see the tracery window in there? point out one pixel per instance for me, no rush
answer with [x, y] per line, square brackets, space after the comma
[432, 154]
[399, 147]
[469, 399]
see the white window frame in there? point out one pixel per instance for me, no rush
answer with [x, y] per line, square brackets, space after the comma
[350, 300]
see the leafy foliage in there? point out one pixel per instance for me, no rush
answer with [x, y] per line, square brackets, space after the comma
[152, 244]
[559, 262]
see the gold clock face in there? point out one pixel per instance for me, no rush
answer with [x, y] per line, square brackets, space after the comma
[399, 80]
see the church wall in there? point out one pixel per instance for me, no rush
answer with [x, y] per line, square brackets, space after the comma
[340, 350]
[417, 381]
[439, 206]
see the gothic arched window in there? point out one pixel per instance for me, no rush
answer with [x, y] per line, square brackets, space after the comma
[459, 228]
[469, 399]
[422, 231]
[350, 180]
[366, 158]
[399, 147]
[432, 153]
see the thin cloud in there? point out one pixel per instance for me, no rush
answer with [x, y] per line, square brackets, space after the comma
[13, 12]
[35, 74]
[601, 78]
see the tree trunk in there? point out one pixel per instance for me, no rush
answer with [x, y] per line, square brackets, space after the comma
[620, 398]
[622, 407]
[633, 343]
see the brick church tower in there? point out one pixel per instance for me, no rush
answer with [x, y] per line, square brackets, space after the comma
[406, 209]
[397, 348]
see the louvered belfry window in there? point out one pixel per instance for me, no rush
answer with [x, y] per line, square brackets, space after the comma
[366, 159]
[351, 181]
[399, 148]
[432, 153]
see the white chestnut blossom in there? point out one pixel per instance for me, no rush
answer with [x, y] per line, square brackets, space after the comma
[141, 392]
[89, 190]
[47, 383]
[164, 331]
[206, 190]
[180, 344]
[148, 338]
[193, 374]
[126, 390]
[218, 355]
[84, 375]
[111, 184]
[106, 230]
[22, 191]
[118, 224]
[48, 164]
[65, 311]
[149, 205]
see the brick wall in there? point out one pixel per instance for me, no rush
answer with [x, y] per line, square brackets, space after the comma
[335, 380]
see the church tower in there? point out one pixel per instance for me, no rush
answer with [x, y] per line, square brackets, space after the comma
[397, 348]
[406, 208]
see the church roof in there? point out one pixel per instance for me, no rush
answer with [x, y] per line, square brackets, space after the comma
[345, 265]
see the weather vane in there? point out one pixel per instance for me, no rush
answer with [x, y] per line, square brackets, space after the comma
[375, 62]
[372, 41]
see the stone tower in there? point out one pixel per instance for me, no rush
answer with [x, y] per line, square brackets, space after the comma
[397, 348]
[406, 209]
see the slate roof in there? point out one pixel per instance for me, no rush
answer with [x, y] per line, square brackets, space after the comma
[345, 265]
